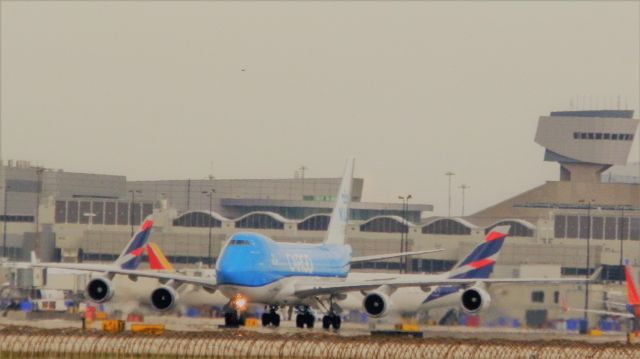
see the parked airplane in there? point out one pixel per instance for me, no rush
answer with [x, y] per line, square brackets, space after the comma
[631, 308]
[477, 265]
[130, 257]
[255, 268]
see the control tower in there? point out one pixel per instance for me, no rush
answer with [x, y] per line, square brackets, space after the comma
[586, 143]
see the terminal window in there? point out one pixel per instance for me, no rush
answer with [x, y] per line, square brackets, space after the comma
[602, 227]
[602, 136]
[537, 296]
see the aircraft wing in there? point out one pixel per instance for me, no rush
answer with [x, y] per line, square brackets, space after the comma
[312, 289]
[206, 282]
[603, 312]
[391, 255]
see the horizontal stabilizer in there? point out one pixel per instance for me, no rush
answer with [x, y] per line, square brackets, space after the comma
[391, 255]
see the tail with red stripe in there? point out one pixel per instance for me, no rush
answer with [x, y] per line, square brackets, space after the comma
[480, 263]
[133, 251]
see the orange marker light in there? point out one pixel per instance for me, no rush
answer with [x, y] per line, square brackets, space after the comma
[240, 302]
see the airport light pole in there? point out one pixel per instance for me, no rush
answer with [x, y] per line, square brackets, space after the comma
[209, 194]
[133, 201]
[588, 264]
[621, 234]
[449, 174]
[404, 233]
[463, 188]
[4, 223]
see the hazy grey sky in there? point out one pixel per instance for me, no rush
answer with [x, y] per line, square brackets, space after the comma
[159, 90]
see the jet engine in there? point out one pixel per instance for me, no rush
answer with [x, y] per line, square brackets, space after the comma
[164, 298]
[100, 289]
[376, 304]
[474, 300]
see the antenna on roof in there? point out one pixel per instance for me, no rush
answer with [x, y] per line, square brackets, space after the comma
[302, 169]
[211, 171]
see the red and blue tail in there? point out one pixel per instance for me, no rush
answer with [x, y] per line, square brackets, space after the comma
[132, 254]
[480, 263]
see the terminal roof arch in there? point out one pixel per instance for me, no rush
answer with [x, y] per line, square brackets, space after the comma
[386, 224]
[199, 218]
[261, 220]
[518, 227]
[452, 225]
[315, 222]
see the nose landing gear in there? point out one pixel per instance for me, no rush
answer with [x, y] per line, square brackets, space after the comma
[234, 319]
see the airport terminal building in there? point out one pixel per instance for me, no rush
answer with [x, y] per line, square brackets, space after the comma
[76, 216]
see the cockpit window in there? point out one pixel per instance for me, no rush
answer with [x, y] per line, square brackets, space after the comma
[239, 242]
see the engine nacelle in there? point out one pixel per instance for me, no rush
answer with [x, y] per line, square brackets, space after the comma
[474, 300]
[377, 304]
[164, 298]
[100, 289]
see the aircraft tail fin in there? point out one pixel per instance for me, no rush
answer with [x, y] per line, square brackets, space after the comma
[157, 259]
[338, 223]
[132, 254]
[480, 262]
[632, 289]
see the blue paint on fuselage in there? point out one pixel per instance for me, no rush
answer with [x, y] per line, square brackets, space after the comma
[629, 308]
[253, 260]
[440, 292]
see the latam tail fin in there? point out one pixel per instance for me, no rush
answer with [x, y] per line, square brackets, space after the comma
[632, 290]
[338, 223]
[132, 254]
[480, 263]
[157, 259]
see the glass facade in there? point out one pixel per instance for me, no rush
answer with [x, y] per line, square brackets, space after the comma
[315, 223]
[259, 221]
[602, 227]
[110, 213]
[602, 136]
[432, 265]
[15, 218]
[197, 219]
[72, 212]
[100, 211]
[122, 215]
[304, 212]
[446, 226]
[537, 296]
[516, 229]
[384, 225]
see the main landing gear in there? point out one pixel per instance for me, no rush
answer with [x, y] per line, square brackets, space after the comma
[304, 317]
[331, 319]
[272, 317]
